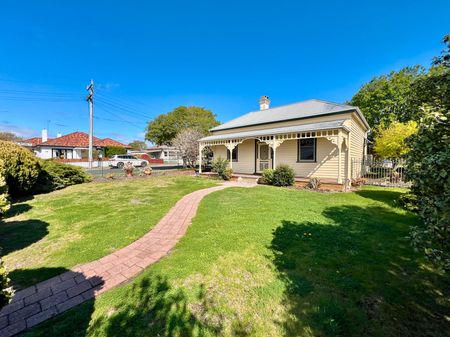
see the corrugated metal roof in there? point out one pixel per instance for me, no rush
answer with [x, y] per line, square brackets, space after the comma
[310, 108]
[338, 124]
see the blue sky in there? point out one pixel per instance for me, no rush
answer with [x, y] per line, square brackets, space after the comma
[147, 57]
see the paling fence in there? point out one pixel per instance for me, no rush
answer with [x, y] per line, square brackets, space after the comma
[381, 172]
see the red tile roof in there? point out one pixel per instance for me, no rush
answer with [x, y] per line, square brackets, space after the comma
[112, 142]
[33, 141]
[80, 139]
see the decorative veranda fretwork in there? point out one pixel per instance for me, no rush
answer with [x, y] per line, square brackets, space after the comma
[337, 137]
[275, 140]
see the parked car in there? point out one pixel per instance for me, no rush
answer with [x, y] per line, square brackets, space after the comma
[119, 161]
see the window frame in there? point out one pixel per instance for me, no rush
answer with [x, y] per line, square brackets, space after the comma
[299, 148]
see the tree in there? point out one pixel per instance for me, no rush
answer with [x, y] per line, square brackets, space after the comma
[137, 145]
[428, 165]
[187, 143]
[164, 128]
[10, 136]
[388, 98]
[444, 58]
[390, 141]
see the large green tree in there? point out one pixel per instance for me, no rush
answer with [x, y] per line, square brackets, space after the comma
[388, 98]
[164, 128]
[137, 145]
[390, 142]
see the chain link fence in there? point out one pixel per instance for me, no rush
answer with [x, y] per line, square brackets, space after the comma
[390, 173]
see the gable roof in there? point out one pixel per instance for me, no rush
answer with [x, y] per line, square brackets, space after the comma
[300, 110]
[80, 139]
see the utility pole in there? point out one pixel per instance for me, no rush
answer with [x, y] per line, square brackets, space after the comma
[90, 100]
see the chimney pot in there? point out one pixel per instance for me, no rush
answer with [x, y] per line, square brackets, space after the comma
[264, 102]
[44, 135]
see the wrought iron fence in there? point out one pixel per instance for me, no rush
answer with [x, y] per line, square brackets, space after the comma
[381, 172]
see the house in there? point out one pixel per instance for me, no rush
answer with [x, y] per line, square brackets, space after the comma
[316, 138]
[74, 146]
[163, 152]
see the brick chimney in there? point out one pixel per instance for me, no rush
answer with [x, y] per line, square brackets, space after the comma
[264, 102]
[44, 135]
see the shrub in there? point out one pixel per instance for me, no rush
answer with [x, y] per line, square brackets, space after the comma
[267, 177]
[428, 165]
[4, 200]
[283, 175]
[220, 166]
[408, 201]
[55, 175]
[6, 292]
[113, 150]
[21, 168]
[314, 183]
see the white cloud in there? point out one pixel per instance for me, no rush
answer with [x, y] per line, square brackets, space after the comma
[24, 132]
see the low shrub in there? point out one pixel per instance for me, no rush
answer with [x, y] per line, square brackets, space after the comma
[4, 199]
[220, 166]
[55, 175]
[267, 177]
[283, 175]
[6, 291]
[408, 201]
[21, 168]
[314, 184]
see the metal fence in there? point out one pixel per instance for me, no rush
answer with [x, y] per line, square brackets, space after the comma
[380, 172]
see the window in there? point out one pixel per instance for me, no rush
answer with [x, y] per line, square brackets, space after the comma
[307, 149]
[234, 154]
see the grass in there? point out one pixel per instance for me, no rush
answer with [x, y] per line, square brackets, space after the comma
[278, 262]
[47, 234]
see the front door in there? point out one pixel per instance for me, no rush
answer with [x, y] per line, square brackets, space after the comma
[264, 159]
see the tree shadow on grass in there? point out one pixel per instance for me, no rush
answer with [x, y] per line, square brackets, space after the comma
[17, 209]
[389, 197]
[358, 276]
[16, 235]
[22, 278]
[155, 308]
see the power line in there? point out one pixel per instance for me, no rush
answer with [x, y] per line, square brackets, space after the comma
[122, 107]
[110, 107]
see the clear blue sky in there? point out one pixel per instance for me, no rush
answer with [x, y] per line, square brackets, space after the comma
[151, 56]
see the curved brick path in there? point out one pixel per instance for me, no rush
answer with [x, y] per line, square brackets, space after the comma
[40, 302]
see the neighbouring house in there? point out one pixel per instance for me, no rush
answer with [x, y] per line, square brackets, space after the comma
[316, 138]
[163, 152]
[73, 146]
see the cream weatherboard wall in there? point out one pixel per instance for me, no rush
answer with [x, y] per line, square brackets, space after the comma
[326, 164]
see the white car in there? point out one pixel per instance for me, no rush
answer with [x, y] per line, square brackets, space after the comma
[119, 161]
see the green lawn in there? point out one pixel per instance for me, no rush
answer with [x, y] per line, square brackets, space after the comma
[47, 234]
[270, 261]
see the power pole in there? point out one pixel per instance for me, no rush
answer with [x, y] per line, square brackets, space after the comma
[90, 100]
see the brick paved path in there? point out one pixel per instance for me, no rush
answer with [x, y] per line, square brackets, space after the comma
[44, 300]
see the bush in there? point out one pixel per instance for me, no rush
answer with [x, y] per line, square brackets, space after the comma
[6, 292]
[220, 166]
[113, 150]
[283, 175]
[21, 168]
[428, 165]
[408, 201]
[267, 177]
[4, 200]
[55, 175]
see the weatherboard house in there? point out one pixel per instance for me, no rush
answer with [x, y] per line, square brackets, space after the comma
[318, 139]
